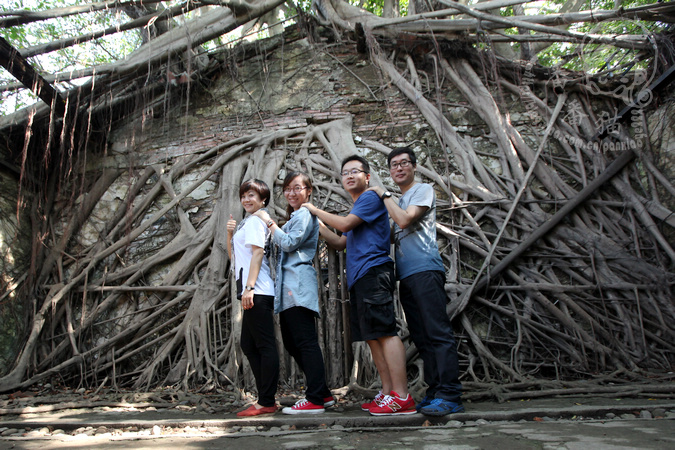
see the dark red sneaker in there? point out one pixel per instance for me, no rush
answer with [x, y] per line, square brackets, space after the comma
[376, 402]
[393, 405]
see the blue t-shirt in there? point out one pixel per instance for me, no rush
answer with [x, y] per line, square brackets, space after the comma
[416, 247]
[368, 244]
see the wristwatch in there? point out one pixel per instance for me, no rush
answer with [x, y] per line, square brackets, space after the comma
[250, 288]
[385, 194]
[270, 223]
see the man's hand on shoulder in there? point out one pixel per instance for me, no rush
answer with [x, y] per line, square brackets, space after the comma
[379, 190]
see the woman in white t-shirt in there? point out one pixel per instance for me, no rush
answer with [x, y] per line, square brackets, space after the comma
[255, 287]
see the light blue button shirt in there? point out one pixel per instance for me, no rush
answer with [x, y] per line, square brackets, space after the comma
[296, 283]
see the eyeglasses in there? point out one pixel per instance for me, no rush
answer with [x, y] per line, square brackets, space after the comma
[352, 172]
[405, 163]
[296, 189]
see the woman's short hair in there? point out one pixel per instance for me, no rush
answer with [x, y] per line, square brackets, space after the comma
[258, 186]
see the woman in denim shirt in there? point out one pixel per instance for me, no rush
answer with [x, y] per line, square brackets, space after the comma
[296, 292]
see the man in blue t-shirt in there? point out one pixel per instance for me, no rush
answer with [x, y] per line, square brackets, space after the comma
[420, 269]
[371, 283]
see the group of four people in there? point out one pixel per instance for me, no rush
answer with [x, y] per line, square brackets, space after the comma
[371, 279]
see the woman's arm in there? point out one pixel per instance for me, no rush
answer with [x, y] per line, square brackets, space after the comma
[253, 271]
[299, 229]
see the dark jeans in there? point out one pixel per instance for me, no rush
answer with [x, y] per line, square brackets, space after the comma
[424, 301]
[298, 330]
[260, 347]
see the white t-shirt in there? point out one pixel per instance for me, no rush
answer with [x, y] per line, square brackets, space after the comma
[253, 232]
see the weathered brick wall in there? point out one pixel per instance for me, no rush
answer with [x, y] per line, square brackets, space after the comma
[300, 87]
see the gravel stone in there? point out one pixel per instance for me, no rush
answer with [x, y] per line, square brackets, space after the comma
[659, 412]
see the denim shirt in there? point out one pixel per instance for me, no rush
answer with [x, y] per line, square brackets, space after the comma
[296, 283]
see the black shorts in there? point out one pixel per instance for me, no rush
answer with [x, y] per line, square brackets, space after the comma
[372, 304]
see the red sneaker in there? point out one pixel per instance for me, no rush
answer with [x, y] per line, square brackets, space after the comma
[303, 407]
[376, 402]
[328, 401]
[393, 405]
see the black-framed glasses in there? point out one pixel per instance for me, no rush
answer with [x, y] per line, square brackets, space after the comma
[352, 172]
[296, 189]
[405, 163]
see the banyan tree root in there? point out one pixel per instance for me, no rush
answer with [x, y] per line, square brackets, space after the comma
[149, 301]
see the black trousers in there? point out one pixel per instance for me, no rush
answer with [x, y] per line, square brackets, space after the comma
[423, 299]
[260, 347]
[298, 330]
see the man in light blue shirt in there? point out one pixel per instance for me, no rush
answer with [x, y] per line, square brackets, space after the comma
[420, 269]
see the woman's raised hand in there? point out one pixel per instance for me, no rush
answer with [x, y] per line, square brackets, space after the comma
[231, 225]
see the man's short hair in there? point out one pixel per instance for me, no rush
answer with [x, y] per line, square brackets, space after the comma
[399, 151]
[362, 160]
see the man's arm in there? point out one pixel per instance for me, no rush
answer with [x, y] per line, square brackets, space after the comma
[332, 239]
[342, 223]
[403, 217]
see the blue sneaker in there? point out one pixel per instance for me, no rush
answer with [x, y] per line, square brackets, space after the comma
[441, 407]
[426, 401]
